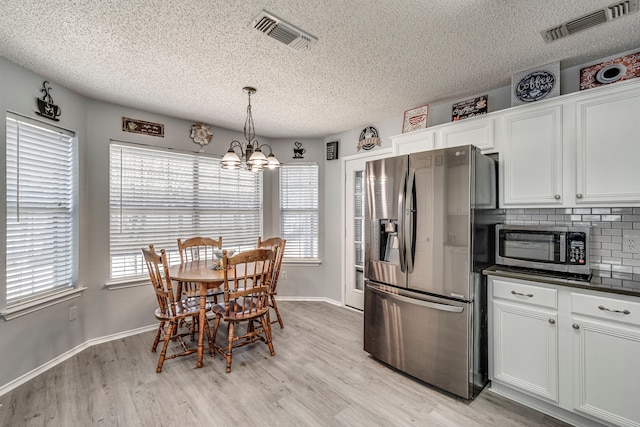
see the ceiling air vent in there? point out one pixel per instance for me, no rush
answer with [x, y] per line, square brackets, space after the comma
[282, 31]
[609, 13]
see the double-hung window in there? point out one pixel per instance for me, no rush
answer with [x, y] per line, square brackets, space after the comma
[40, 212]
[299, 211]
[159, 195]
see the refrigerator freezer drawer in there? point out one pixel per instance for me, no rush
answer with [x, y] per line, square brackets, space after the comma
[426, 337]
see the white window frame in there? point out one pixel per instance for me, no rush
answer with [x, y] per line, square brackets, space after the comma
[299, 203]
[51, 274]
[169, 194]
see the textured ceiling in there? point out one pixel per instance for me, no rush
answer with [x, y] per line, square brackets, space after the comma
[373, 59]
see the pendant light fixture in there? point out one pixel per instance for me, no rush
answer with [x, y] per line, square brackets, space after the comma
[250, 151]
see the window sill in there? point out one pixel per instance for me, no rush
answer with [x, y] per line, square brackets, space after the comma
[40, 303]
[302, 262]
[131, 282]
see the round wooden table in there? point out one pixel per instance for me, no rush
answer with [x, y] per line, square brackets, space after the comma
[202, 273]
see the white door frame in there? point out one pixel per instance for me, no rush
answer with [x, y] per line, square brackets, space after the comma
[378, 154]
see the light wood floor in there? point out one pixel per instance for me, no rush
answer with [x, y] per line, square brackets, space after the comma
[320, 376]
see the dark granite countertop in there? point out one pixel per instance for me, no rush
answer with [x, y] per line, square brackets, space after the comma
[553, 279]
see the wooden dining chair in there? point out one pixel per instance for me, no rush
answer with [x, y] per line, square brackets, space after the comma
[171, 311]
[278, 244]
[198, 249]
[243, 303]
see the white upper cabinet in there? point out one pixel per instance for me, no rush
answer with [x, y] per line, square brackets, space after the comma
[580, 149]
[413, 142]
[478, 131]
[531, 160]
[608, 147]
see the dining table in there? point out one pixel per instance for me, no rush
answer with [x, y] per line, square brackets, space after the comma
[205, 276]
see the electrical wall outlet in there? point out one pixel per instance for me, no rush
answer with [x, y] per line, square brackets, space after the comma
[283, 275]
[631, 241]
[73, 312]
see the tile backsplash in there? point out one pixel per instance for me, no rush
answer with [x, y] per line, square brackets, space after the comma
[611, 266]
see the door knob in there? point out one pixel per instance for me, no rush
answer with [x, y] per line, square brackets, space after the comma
[557, 197]
[575, 326]
[578, 196]
[552, 321]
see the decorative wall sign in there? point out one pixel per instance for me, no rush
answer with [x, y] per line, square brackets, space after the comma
[368, 138]
[140, 126]
[415, 119]
[615, 70]
[201, 135]
[46, 107]
[535, 84]
[332, 150]
[298, 151]
[469, 108]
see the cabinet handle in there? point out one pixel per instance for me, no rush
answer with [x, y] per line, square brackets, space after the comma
[575, 326]
[552, 321]
[603, 308]
[557, 197]
[578, 196]
[524, 295]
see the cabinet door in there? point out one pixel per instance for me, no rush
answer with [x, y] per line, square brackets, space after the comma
[413, 142]
[478, 132]
[525, 349]
[532, 160]
[608, 151]
[606, 371]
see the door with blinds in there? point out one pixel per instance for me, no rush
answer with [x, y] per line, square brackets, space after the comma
[355, 222]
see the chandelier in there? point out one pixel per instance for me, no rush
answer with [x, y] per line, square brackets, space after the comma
[250, 151]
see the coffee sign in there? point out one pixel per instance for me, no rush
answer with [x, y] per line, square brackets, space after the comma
[535, 84]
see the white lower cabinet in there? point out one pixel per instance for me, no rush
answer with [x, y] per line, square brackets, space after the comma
[572, 353]
[606, 355]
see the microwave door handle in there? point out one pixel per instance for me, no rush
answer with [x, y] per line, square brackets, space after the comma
[563, 247]
[409, 233]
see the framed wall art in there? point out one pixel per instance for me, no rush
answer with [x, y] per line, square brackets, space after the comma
[615, 70]
[469, 108]
[332, 150]
[415, 119]
[535, 84]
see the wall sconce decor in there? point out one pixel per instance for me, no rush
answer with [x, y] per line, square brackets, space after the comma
[46, 107]
[201, 135]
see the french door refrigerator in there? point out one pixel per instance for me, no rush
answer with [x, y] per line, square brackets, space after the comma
[431, 219]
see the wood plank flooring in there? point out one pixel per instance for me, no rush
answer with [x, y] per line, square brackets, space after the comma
[320, 376]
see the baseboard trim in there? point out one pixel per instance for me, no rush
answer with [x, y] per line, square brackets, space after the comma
[70, 353]
[100, 340]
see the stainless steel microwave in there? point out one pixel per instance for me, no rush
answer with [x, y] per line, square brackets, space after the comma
[559, 249]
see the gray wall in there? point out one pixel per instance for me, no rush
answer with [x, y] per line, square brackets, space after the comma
[32, 340]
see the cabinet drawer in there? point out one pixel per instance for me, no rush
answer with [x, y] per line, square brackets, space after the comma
[526, 294]
[606, 308]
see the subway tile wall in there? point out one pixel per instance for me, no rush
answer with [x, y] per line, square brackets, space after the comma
[611, 267]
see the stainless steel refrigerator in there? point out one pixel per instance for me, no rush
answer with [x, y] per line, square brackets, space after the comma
[432, 216]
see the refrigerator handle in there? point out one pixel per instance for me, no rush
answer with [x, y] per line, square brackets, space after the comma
[409, 212]
[418, 301]
[401, 205]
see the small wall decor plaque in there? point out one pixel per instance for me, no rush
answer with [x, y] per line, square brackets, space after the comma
[201, 135]
[46, 107]
[368, 138]
[615, 70]
[535, 84]
[140, 126]
[415, 119]
[332, 150]
[469, 108]
[298, 151]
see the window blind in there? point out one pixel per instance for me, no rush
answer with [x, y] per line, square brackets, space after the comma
[40, 210]
[299, 210]
[158, 196]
